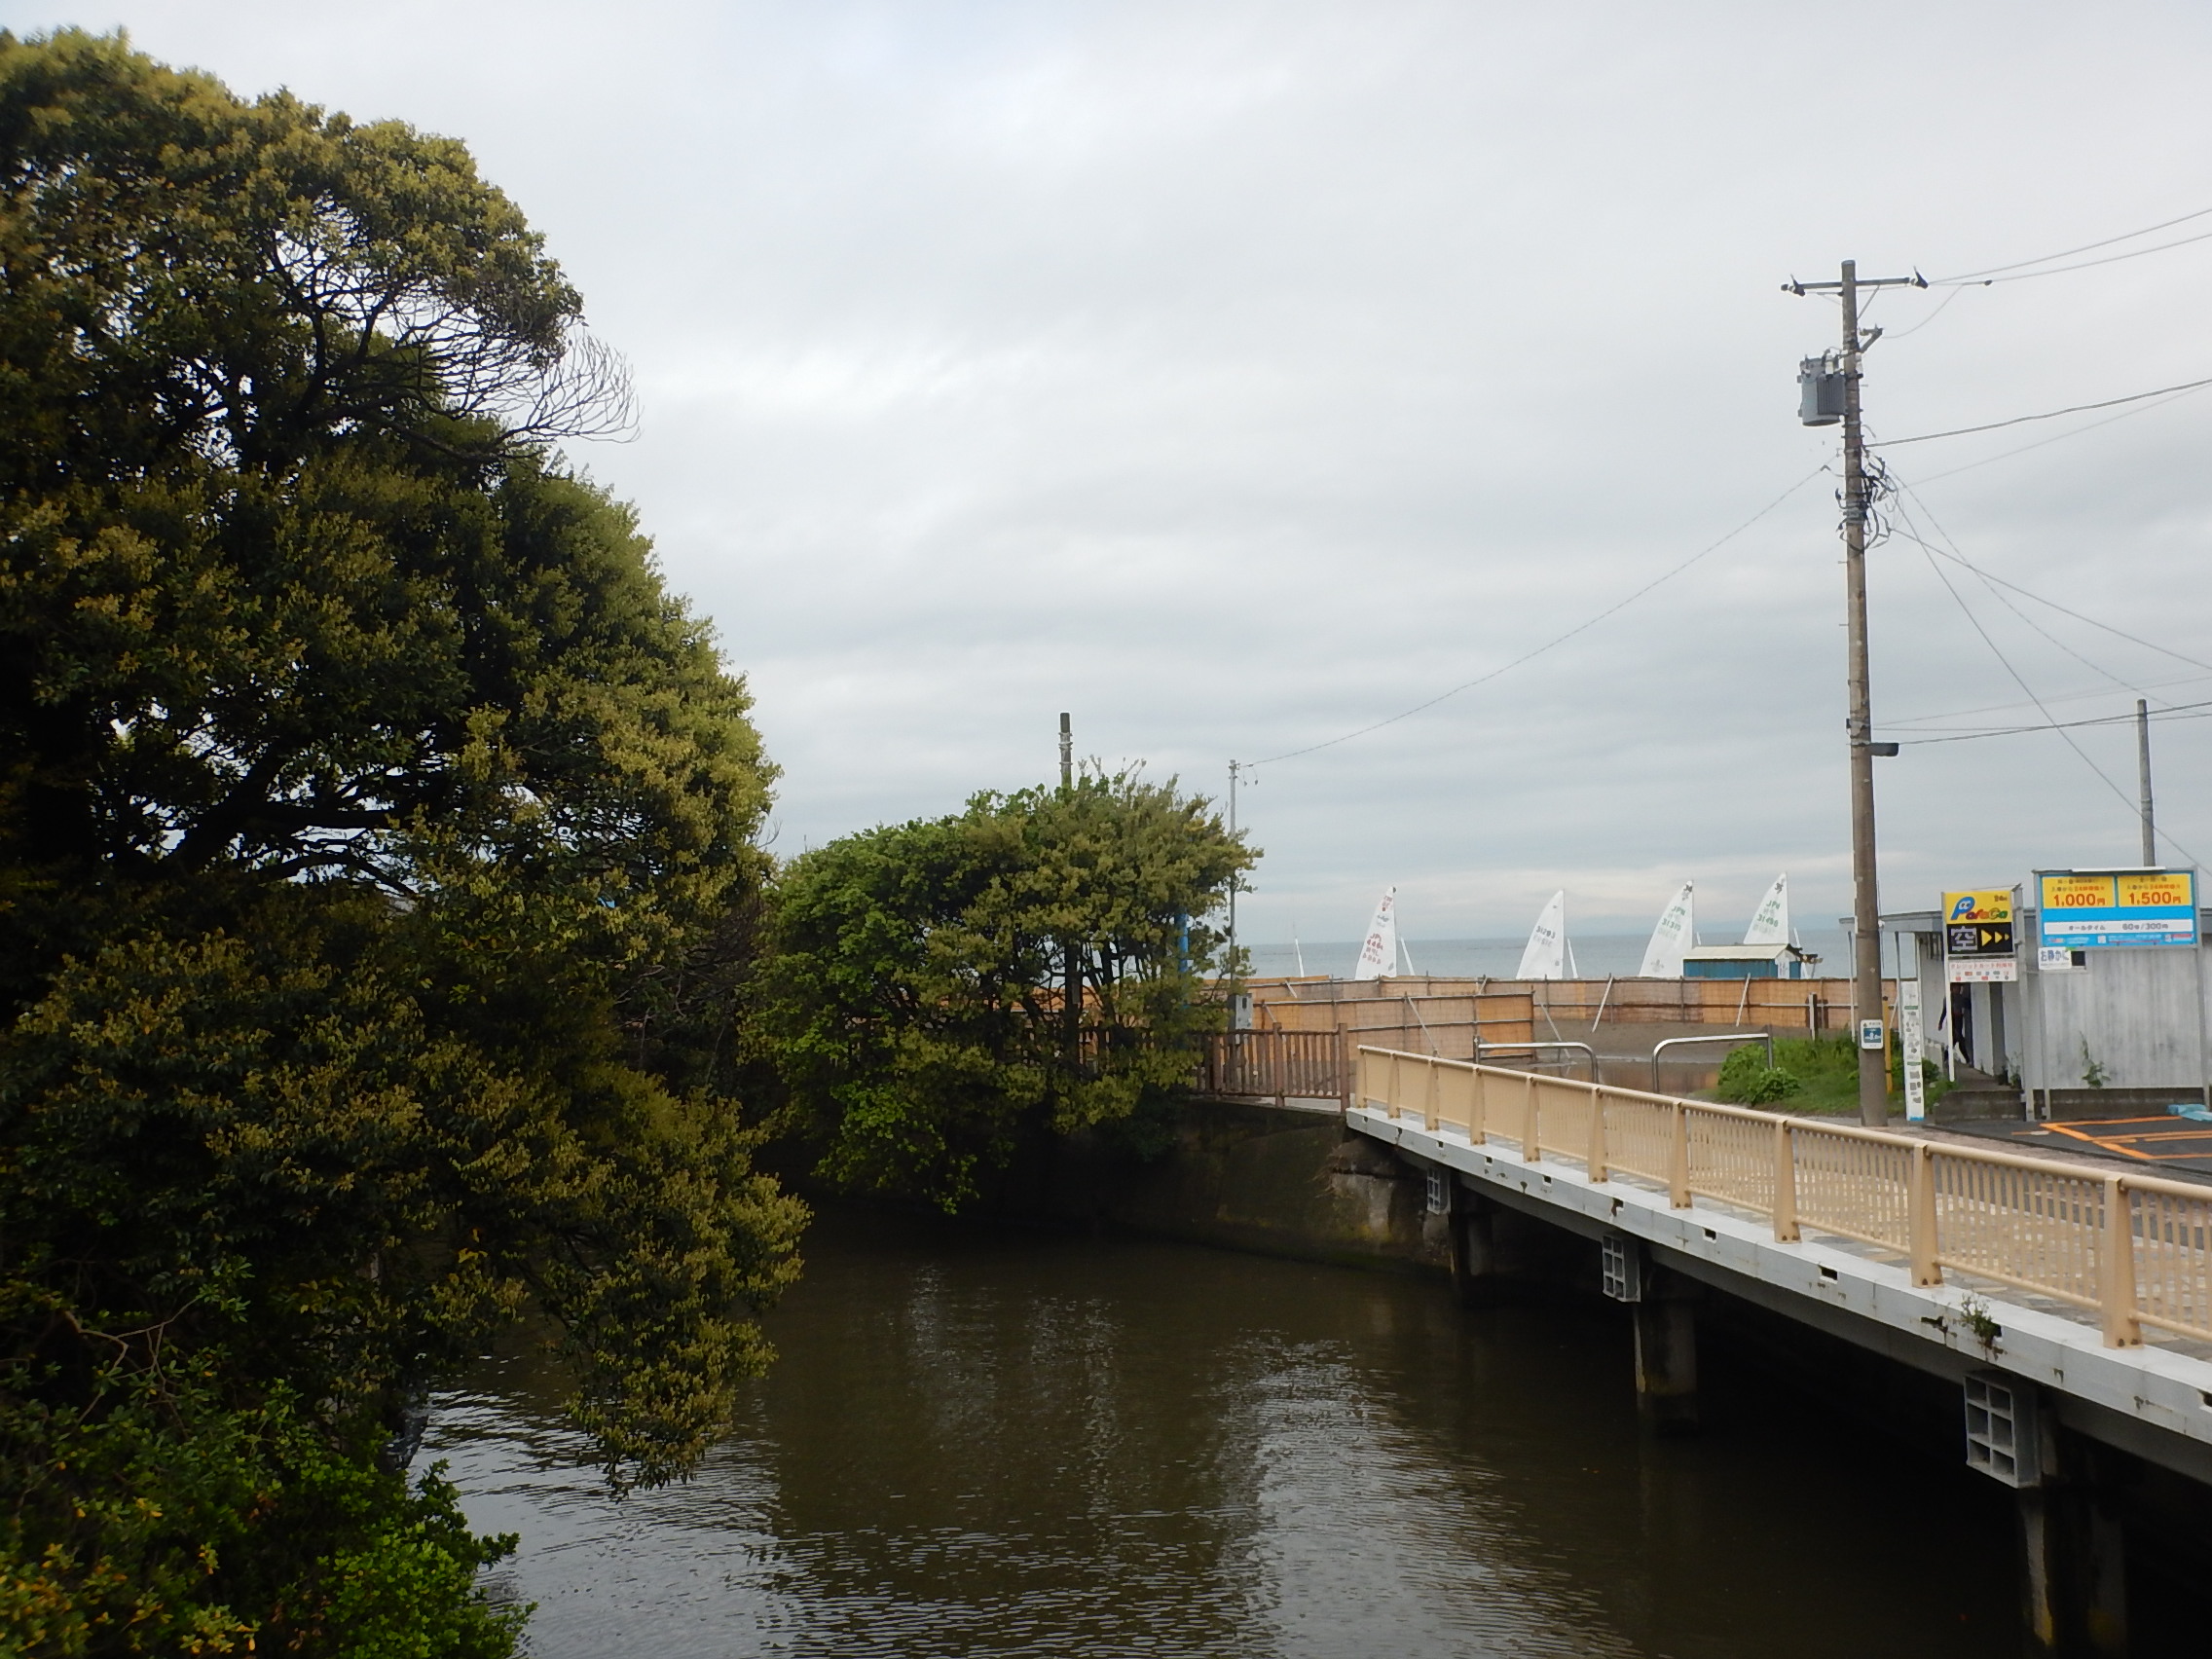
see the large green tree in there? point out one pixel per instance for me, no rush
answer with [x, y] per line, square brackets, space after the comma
[914, 998]
[377, 849]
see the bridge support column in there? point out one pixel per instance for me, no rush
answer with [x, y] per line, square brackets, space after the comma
[1666, 1356]
[1475, 1274]
[2076, 1577]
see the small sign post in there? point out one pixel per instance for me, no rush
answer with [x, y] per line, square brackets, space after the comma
[1909, 1028]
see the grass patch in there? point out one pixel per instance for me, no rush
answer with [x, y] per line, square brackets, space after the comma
[1822, 1076]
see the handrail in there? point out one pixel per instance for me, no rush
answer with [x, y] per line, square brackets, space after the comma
[1766, 1037]
[1559, 1043]
[2133, 1249]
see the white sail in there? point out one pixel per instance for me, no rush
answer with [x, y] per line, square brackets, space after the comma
[1663, 956]
[1546, 955]
[1378, 956]
[1770, 922]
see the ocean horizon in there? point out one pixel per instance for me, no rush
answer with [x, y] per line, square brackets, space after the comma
[1596, 955]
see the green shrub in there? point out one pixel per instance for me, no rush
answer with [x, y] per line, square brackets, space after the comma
[1746, 1080]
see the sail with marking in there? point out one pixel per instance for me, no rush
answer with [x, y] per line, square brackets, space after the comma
[1770, 922]
[1663, 956]
[1378, 956]
[1545, 958]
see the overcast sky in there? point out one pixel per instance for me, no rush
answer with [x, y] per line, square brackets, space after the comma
[1238, 375]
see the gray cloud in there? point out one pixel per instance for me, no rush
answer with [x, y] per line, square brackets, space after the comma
[1238, 375]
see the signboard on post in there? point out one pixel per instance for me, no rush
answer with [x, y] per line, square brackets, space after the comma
[2098, 910]
[1909, 1030]
[1979, 946]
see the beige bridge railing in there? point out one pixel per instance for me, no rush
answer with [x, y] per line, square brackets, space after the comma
[2134, 1250]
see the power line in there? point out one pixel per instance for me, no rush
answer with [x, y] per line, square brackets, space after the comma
[1559, 640]
[1997, 272]
[2069, 252]
[2059, 726]
[1926, 320]
[2055, 438]
[2003, 599]
[1956, 557]
[2176, 711]
[2046, 415]
[1894, 722]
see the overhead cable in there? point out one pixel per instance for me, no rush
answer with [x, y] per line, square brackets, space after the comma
[2177, 712]
[1891, 721]
[1952, 553]
[2059, 726]
[2069, 252]
[2046, 415]
[1556, 640]
[2055, 438]
[2003, 273]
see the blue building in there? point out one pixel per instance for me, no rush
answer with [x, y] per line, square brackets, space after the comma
[1746, 962]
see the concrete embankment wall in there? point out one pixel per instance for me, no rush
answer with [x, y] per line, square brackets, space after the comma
[1282, 1181]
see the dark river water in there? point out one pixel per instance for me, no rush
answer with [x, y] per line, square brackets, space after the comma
[981, 1443]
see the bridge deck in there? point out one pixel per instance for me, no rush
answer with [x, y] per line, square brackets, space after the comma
[2089, 1282]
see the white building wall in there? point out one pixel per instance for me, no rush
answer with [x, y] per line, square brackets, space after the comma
[2138, 1015]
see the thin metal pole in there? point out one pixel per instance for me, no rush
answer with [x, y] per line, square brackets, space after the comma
[1234, 882]
[1071, 949]
[1866, 901]
[2143, 778]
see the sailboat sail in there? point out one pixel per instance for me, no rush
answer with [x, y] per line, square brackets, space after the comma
[1770, 922]
[1663, 956]
[1378, 956]
[1545, 958]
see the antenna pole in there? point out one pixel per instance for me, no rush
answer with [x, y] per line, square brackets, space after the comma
[2143, 778]
[1234, 882]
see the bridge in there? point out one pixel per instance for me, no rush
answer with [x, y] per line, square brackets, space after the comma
[2070, 1300]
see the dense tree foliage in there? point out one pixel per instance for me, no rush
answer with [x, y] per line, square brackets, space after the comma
[914, 1003]
[377, 849]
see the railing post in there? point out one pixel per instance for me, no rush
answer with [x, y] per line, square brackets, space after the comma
[1477, 1114]
[1429, 1101]
[1527, 1110]
[1397, 1079]
[1785, 1183]
[1920, 1198]
[1679, 1158]
[1532, 1131]
[2115, 1267]
[1594, 1160]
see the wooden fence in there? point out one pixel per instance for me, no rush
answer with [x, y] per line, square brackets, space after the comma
[1782, 1005]
[1458, 1024]
[2134, 1250]
[1281, 1065]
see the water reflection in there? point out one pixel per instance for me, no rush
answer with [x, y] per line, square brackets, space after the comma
[979, 1444]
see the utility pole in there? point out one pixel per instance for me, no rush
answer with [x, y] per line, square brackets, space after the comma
[1858, 721]
[2143, 778]
[1067, 754]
